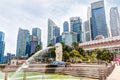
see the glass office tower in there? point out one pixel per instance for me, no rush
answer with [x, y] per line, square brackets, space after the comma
[2, 46]
[98, 20]
[114, 21]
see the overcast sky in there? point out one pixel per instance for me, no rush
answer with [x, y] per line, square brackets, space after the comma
[35, 13]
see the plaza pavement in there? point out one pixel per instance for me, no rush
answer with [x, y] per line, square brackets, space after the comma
[115, 75]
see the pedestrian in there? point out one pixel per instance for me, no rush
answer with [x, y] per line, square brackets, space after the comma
[106, 63]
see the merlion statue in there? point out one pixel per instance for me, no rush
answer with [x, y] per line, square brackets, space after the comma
[58, 51]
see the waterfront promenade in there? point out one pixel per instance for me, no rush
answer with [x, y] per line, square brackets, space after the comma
[115, 75]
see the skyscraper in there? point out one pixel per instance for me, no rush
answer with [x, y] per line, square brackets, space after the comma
[65, 26]
[114, 21]
[67, 36]
[87, 27]
[22, 41]
[2, 46]
[37, 32]
[2, 36]
[76, 27]
[33, 45]
[98, 20]
[56, 31]
[51, 24]
[53, 32]
[72, 37]
[59, 39]
[87, 32]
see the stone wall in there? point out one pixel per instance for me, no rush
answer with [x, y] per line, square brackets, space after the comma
[91, 71]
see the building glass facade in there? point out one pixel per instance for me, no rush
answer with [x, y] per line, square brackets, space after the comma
[114, 21]
[72, 37]
[53, 32]
[33, 45]
[37, 32]
[56, 31]
[98, 20]
[65, 37]
[2, 46]
[51, 24]
[65, 26]
[59, 39]
[87, 31]
[76, 27]
[22, 40]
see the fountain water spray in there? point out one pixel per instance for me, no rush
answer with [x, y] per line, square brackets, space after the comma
[26, 64]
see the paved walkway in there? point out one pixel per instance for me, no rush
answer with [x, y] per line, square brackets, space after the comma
[115, 75]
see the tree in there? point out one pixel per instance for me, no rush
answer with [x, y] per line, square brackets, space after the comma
[105, 55]
[74, 54]
[38, 47]
[66, 56]
[93, 56]
[63, 46]
[81, 51]
[75, 45]
[49, 45]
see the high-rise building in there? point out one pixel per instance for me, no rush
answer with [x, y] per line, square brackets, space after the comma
[33, 45]
[53, 32]
[22, 40]
[98, 20]
[87, 31]
[59, 39]
[51, 24]
[72, 37]
[114, 21]
[2, 36]
[37, 32]
[30, 47]
[2, 46]
[67, 36]
[76, 27]
[87, 27]
[56, 31]
[65, 26]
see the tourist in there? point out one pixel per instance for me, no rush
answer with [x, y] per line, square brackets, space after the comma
[106, 63]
